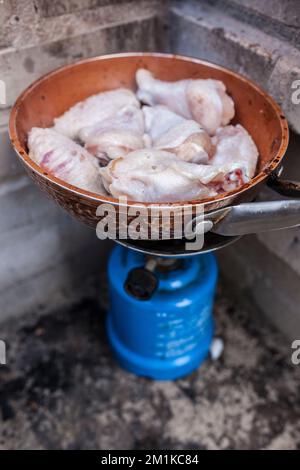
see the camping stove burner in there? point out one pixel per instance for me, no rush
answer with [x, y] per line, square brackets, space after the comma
[167, 264]
[177, 247]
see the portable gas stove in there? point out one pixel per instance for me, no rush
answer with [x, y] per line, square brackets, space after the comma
[160, 321]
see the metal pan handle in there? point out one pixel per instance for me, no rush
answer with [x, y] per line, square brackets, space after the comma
[256, 217]
[284, 187]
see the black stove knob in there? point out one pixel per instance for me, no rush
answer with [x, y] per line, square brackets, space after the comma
[141, 283]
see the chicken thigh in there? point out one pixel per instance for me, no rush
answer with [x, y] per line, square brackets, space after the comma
[116, 136]
[205, 101]
[151, 175]
[234, 146]
[171, 132]
[65, 159]
[93, 110]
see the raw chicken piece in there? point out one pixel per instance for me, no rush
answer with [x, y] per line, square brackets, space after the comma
[94, 109]
[234, 146]
[205, 101]
[159, 120]
[65, 159]
[171, 132]
[129, 118]
[150, 175]
[116, 136]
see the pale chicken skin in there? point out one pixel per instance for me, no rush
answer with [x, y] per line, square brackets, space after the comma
[64, 159]
[204, 101]
[93, 110]
[178, 147]
[234, 146]
[116, 136]
[151, 175]
[173, 133]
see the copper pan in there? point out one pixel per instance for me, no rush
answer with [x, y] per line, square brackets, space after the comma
[55, 92]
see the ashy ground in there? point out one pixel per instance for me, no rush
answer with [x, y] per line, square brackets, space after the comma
[62, 389]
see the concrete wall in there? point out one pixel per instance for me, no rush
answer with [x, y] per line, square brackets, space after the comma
[209, 30]
[48, 259]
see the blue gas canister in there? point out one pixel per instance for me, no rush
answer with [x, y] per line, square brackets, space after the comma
[160, 322]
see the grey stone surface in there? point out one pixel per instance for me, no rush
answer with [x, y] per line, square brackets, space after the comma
[19, 68]
[285, 73]
[61, 389]
[257, 275]
[284, 244]
[10, 167]
[286, 12]
[16, 17]
[61, 7]
[4, 117]
[265, 268]
[202, 30]
[46, 256]
[25, 25]
[278, 18]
